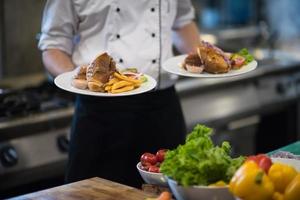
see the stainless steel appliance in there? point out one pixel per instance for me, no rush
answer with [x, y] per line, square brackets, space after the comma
[34, 129]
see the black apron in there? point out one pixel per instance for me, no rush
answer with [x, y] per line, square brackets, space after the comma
[110, 134]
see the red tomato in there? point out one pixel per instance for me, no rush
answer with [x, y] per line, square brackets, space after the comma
[154, 169]
[265, 163]
[262, 160]
[148, 158]
[160, 155]
[237, 61]
[145, 166]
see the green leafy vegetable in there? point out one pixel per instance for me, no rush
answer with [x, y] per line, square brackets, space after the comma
[199, 161]
[143, 79]
[244, 53]
[131, 69]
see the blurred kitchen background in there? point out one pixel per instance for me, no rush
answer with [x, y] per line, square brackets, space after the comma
[257, 112]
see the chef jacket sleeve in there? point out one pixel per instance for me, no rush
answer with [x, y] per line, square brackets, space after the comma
[58, 26]
[185, 13]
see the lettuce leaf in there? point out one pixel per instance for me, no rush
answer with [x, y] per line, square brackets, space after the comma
[199, 161]
[245, 53]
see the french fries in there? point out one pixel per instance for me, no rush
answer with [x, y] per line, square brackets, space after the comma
[120, 83]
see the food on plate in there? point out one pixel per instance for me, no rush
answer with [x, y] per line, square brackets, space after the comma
[253, 182]
[79, 80]
[151, 162]
[99, 72]
[199, 161]
[101, 75]
[121, 83]
[212, 59]
[192, 63]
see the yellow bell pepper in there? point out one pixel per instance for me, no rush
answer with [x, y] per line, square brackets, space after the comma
[251, 183]
[277, 196]
[218, 184]
[292, 191]
[281, 175]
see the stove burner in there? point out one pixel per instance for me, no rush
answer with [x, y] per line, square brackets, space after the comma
[41, 98]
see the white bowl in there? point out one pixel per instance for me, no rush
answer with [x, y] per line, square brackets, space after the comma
[151, 177]
[200, 192]
[288, 161]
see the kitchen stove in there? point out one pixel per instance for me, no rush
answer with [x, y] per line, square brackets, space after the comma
[34, 129]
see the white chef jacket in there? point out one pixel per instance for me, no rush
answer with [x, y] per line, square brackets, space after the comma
[136, 33]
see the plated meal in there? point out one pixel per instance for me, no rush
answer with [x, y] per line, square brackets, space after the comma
[102, 78]
[198, 169]
[211, 61]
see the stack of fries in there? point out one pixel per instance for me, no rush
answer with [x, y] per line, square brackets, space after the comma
[121, 83]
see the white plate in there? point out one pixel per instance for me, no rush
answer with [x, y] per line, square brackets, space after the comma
[173, 65]
[63, 81]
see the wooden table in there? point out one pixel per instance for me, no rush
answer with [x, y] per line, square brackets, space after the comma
[94, 188]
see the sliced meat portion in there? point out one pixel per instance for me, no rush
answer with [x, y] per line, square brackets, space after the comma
[214, 59]
[192, 63]
[99, 72]
[79, 80]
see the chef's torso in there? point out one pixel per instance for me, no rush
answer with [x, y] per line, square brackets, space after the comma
[135, 33]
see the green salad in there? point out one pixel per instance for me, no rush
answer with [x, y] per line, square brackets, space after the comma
[244, 53]
[199, 161]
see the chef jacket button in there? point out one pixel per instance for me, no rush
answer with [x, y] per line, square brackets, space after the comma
[121, 60]
[153, 61]
[117, 9]
[152, 9]
[118, 36]
[153, 34]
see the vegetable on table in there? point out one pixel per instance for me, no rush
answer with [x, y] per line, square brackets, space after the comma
[281, 175]
[251, 183]
[199, 161]
[263, 161]
[292, 191]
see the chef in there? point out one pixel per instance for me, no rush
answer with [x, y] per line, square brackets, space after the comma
[109, 134]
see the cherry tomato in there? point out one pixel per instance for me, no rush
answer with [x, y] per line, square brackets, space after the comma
[262, 160]
[238, 61]
[154, 169]
[145, 166]
[160, 155]
[148, 157]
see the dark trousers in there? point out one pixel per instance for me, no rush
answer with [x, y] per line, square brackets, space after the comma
[110, 134]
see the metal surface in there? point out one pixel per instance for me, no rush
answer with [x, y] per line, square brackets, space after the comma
[35, 150]
[37, 118]
[34, 129]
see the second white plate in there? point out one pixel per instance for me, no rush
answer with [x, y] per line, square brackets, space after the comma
[173, 65]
